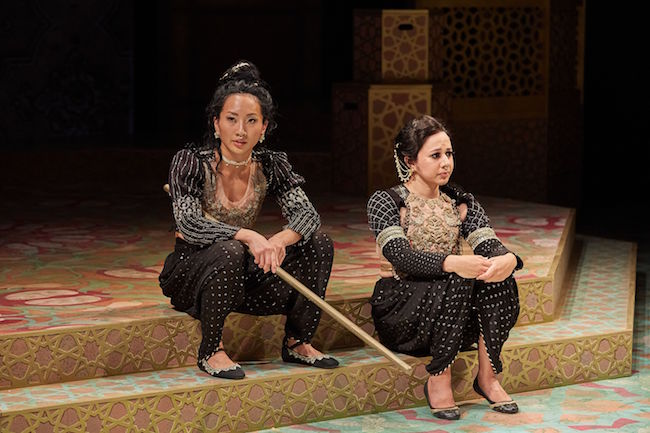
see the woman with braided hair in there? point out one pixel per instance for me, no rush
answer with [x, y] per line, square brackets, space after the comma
[431, 299]
[219, 264]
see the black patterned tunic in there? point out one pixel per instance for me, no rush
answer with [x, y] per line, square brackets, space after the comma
[418, 308]
[210, 274]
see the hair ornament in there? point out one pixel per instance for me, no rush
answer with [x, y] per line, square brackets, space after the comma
[403, 171]
[234, 68]
[240, 65]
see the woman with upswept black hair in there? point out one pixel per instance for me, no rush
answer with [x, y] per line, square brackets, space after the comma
[219, 263]
[432, 299]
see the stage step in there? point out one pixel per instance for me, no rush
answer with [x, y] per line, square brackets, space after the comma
[590, 340]
[122, 324]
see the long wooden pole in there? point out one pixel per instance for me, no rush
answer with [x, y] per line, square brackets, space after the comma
[339, 317]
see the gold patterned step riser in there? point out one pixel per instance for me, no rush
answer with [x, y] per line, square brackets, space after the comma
[538, 299]
[144, 346]
[327, 394]
[96, 352]
[529, 367]
[88, 353]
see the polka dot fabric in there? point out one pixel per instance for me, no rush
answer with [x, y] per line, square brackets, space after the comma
[433, 312]
[211, 282]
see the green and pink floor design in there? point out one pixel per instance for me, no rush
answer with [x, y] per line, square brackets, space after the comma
[87, 262]
[72, 270]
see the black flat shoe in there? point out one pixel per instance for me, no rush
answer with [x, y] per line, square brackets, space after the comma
[448, 413]
[509, 407]
[320, 361]
[233, 372]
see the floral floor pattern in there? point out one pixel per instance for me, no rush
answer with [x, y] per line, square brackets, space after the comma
[91, 262]
[80, 262]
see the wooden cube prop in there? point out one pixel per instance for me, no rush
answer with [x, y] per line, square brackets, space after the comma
[394, 46]
[405, 45]
[389, 108]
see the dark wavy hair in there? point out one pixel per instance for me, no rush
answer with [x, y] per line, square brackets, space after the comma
[412, 136]
[242, 77]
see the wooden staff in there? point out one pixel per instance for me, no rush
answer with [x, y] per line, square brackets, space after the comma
[339, 317]
[336, 315]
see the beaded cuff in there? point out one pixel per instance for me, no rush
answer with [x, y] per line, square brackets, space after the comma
[388, 234]
[480, 235]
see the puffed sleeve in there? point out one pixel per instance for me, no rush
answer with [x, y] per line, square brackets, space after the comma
[384, 222]
[285, 185]
[476, 228]
[279, 173]
[186, 180]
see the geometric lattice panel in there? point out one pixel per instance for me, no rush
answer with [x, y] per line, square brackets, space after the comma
[349, 140]
[95, 69]
[370, 384]
[591, 340]
[290, 395]
[90, 352]
[252, 338]
[85, 353]
[389, 108]
[371, 39]
[540, 298]
[535, 301]
[367, 46]
[404, 45]
[558, 363]
[494, 51]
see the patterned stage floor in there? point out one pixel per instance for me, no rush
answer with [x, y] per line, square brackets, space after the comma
[88, 262]
[80, 263]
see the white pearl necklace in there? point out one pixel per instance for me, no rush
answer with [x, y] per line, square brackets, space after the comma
[237, 163]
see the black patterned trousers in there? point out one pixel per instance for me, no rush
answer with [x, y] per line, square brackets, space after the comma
[442, 317]
[211, 282]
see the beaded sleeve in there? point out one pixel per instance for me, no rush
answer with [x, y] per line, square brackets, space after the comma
[186, 180]
[285, 184]
[384, 222]
[299, 212]
[278, 171]
[476, 228]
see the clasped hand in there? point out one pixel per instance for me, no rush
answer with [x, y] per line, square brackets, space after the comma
[268, 253]
[490, 270]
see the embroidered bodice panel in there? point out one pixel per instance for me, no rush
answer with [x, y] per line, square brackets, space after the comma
[432, 224]
[240, 213]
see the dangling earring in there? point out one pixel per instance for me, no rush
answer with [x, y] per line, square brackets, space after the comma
[216, 135]
[403, 171]
[262, 138]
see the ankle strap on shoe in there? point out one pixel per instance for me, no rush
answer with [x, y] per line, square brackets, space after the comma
[294, 345]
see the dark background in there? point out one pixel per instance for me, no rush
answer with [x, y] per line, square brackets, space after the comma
[97, 90]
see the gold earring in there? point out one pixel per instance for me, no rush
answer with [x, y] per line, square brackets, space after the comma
[216, 135]
[262, 138]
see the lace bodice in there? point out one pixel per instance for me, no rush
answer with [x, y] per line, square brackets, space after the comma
[241, 213]
[432, 224]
